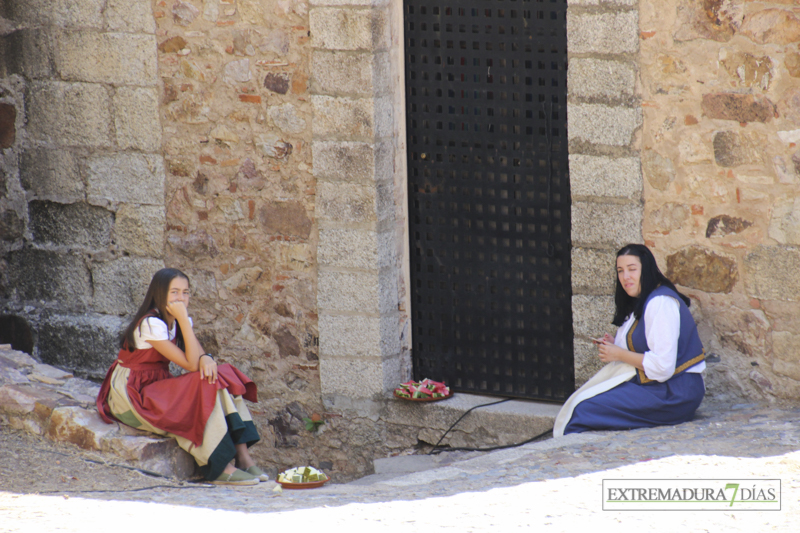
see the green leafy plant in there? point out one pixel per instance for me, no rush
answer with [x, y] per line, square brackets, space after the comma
[313, 422]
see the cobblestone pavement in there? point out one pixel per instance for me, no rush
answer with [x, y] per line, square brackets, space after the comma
[555, 484]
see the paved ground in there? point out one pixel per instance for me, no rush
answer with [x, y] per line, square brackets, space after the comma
[555, 485]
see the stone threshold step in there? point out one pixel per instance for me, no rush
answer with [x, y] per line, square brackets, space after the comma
[506, 423]
[46, 401]
[511, 422]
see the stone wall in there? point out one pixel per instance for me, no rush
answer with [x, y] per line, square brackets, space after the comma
[721, 99]
[241, 198]
[82, 185]
[604, 123]
[279, 144]
[359, 162]
[94, 198]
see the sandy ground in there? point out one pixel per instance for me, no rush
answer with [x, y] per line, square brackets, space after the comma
[567, 503]
[29, 465]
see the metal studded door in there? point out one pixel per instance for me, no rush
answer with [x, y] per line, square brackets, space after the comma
[489, 200]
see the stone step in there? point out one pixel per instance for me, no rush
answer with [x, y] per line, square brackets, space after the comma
[502, 424]
[47, 401]
[510, 422]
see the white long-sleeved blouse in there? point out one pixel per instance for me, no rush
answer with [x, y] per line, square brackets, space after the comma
[662, 328]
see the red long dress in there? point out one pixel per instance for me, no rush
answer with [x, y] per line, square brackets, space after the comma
[181, 405]
[161, 398]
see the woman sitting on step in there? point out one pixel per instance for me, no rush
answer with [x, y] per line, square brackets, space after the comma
[202, 409]
[655, 361]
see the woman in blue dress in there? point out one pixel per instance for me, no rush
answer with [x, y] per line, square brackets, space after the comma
[654, 376]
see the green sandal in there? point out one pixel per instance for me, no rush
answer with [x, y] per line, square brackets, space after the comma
[239, 477]
[257, 473]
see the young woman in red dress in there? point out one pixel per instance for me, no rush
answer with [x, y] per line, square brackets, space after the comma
[203, 409]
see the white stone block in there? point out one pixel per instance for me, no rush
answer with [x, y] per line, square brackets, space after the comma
[592, 315]
[340, 28]
[602, 124]
[134, 16]
[352, 161]
[62, 13]
[70, 114]
[136, 119]
[348, 291]
[120, 286]
[593, 271]
[126, 177]
[139, 229]
[359, 378]
[603, 33]
[350, 73]
[600, 78]
[607, 224]
[358, 336]
[614, 177]
[115, 58]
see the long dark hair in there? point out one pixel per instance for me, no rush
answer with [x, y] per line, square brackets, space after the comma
[651, 278]
[155, 304]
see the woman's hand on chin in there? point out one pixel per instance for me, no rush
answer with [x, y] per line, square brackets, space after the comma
[177, 310]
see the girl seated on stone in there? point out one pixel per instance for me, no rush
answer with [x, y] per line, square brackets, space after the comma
[655, 361]
[202, 409]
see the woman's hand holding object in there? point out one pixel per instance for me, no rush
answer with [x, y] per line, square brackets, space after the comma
[605, 338]
[609, 352]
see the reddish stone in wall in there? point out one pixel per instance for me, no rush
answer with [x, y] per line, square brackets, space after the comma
[250, 98]
[282, 309]
[792, 63]
[702, 269]
[732, 149]
[669, 217]
[170, 46]
[789, 106]
[200, 183]
[299, 82]
[170, 93]
[278, 83]
[725, 225]
[249, 178]
[708, 19]
[738, 107]
[198, 245]
[777, 26]
[184, 13]
[287, 343]
[285, 218]
[752, 71]
[8, 128]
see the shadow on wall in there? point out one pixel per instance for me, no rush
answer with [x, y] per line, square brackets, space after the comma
[15, 331]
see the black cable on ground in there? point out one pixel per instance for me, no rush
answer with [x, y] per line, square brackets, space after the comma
[490, 449]
[437, 449]
[461, 417]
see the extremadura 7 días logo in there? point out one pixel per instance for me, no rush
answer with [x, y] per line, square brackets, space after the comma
[691, 494]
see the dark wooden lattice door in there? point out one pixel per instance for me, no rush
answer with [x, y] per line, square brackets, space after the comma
[489, 201]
